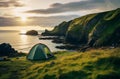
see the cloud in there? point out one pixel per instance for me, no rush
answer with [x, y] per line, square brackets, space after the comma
[78, 6]
[10, 3]
[42, 21]
[51, 20]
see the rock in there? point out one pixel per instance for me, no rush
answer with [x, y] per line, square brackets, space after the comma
[32, 32]
[94, 30]
[59, 30]
[68, 47]
[48, 37]
[7, 50]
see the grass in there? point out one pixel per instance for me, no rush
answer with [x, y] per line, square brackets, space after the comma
[92, 64]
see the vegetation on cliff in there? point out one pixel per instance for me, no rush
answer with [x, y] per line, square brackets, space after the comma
[99, 29]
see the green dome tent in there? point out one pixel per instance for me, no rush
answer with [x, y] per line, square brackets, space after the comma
[39, 52]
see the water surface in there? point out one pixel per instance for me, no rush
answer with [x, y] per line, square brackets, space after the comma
[24, 43]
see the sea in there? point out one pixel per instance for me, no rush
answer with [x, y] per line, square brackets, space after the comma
[23, 43]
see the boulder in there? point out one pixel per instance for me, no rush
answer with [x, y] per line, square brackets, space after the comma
[32, 32]
[7, 50]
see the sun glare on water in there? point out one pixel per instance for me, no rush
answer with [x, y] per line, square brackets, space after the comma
[23, 31]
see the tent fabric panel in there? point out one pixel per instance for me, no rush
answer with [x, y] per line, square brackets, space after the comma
[32, 52]
[39, 54]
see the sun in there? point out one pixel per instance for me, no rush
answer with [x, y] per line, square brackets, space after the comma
[23, 19]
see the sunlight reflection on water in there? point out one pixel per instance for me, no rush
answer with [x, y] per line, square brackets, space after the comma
[24, 43]
[24, 38]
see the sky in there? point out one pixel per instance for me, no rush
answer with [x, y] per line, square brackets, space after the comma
[49, 12]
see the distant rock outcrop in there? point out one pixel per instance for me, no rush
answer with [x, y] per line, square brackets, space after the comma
[32, 32]
[59, 30]
[94, 30]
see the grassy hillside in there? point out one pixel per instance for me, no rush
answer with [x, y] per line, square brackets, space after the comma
[92, 64]
[93, 29]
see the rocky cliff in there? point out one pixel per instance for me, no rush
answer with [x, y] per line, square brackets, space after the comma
[99, 29]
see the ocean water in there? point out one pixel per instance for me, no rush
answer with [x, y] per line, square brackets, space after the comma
[23, 43]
